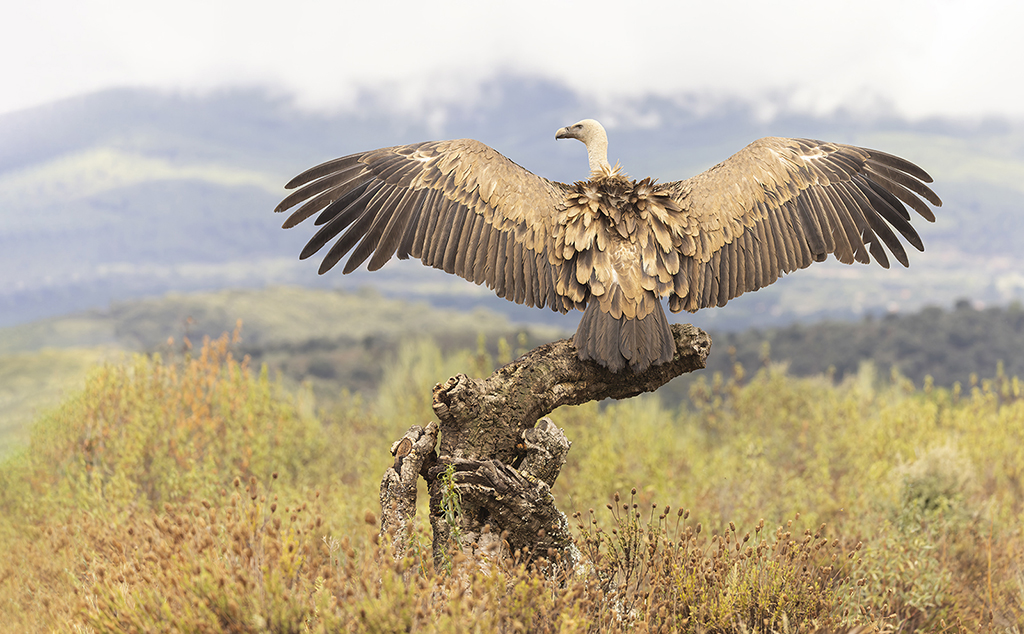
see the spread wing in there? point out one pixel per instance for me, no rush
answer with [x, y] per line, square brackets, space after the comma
[456, 205]
[780, 204]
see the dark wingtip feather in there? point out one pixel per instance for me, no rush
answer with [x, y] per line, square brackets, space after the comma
[323, 169]
[901, 164]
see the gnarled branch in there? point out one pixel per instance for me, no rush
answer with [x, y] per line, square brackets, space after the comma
[505, 461]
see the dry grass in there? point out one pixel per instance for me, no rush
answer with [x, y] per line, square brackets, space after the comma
[191, 494]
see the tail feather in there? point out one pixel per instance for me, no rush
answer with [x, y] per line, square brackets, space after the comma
[615, 343]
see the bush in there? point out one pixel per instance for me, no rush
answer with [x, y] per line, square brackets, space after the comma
[148, 502]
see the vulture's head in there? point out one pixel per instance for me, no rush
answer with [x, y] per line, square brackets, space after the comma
[587, 131]
[594, 137]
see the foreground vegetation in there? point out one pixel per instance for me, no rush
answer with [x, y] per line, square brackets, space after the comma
[192, 493]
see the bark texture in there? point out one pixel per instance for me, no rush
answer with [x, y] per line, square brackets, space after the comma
[504, 456]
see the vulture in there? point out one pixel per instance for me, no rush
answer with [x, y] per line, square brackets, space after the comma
[610, 246]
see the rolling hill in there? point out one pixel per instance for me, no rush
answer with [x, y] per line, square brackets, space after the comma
[131, 193]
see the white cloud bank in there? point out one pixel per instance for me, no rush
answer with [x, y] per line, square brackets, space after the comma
[918, 58]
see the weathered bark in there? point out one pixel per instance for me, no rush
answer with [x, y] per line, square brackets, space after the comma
[505, 462]
[414, 457]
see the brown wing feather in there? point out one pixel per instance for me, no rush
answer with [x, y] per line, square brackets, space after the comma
[798, 200]
[456, 205]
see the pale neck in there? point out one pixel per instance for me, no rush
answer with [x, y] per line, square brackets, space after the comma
[597, 154]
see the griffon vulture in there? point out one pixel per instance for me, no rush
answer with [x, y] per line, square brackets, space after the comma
[611, 246]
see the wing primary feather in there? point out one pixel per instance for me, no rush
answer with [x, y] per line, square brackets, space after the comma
[430, 209]
[444, 234]
[849, 164]
[390, 167]
[468, 243]
[842, 248]
[900, 164]
[484, 265]
[347, 240]
[891, 209]
[417, 220]
[714, 278]
[762, 251]
[353, 213]
[346, 201]
[454, 243]
[878, 226]
[842, 197]
[516, 262]
[383, 209]
[890, 204]
[524, 255]
[435, 241]
[500, 267]
[329, 167]
[796, 245]
[362, 233]
[901, 185]
[847, 224]
[812, 229]
[735, 265]
[336, 180]
[875, 248]
[780, 249]
[545, 282]
[751, 263]
[395, 229]
[490, 266]
[326, 201]
[530, 256]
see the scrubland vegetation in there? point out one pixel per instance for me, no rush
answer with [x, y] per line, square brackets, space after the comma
[193, 493]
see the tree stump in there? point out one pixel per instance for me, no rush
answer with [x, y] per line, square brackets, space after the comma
[503, 455]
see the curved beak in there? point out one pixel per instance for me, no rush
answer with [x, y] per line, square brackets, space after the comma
[563, 133]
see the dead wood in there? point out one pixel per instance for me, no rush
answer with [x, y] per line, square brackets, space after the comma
[504, 462]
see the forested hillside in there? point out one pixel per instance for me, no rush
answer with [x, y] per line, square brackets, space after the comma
[949, 345]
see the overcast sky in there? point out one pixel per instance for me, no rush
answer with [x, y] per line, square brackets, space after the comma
[921, 58]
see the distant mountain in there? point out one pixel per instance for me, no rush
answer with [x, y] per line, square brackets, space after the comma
[134, 193]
